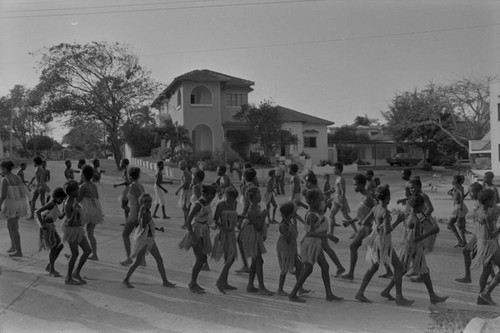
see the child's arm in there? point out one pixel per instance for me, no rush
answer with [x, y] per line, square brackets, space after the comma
[39, 212]
[401, 217]
[159, 183]
[4, 191]
[430, 207]
[420, 237]
[81, 193]
[183, 183]
[196, 209]
[217, 215]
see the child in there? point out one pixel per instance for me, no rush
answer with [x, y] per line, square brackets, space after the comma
[20, 173]
[296, 197]
[74, 234]
[371, 184]
[469, 251]
[459, 212]
[364, 209]
[311, 252]
[41, 187]
[160, 191]
[269, 197]
[126, 182]
[253, 236]
[226, 218]
[146, 243]
[405, 175]
[135, 190]
[88, 197]
[223, 181]
[412, 251]
[328, 191]
[14, 204]
[49, 238]
[488, 252]
[198, 234]
[97, 171]
[184, 190]
[196, 185]
[69, 173]
[339, 200]
[286, 247]
[380, 251]
[488, 184]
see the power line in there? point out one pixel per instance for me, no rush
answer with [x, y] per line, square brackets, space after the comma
[281, 2]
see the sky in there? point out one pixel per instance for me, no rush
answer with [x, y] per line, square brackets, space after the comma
[332, 59]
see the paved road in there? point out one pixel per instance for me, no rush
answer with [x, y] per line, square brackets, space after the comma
[30, 300]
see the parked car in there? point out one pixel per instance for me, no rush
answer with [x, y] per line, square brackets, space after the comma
[403, 159]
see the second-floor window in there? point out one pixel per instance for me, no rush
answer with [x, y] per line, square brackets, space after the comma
[310, 142]
[201, 95]
[236, 99]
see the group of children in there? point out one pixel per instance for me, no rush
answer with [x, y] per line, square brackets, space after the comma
[246, 231]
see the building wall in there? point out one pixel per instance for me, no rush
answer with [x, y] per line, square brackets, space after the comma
[495, 126]
[319, 153]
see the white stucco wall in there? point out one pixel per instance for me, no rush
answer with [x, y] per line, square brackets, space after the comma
[495, 126]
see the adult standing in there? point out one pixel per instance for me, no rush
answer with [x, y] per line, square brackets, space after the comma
[14, 204]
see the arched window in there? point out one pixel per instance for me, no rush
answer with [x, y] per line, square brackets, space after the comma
[201, 95]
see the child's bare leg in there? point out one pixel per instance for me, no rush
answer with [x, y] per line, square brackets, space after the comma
[308, 268]
[71, 264]
[92, 240]
[331, 253]
[398, 280]
[13, 227]
[453, 229]
[281, 283]
[134, 266]
[467, 262]
[222, 281]
[275, 206]
[432, 294]
[360, 295]
[259, 270]
[355, 245]
[333, 224]
[161, 268]
[461, 224]
[325, 275]
[127, 230]
[245, 268]
[198, 265]
[251, 277]
[84, 244]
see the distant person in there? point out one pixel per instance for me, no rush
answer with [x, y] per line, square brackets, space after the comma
[41, 188]
[69, 173]
[160, 191]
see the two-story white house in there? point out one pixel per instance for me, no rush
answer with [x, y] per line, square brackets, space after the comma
[204, 102]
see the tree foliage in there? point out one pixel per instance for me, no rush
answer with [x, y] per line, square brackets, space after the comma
[177, 138]
[347, 133]
[140, 139]
[40, 143]
[28, 121]
[264, 124]
[98, 81]
[85, 136]
[441, 118]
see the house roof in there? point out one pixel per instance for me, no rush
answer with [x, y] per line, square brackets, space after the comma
[289, 115]
[479, 145]
[202, 75]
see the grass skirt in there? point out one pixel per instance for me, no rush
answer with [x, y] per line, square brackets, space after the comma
[286, 254]
[252, 241]
[49, 237]
[91, 211]
[184, 199]
[485, 250]
[201, 231]
[310, 249]
[225, 245]
[72, 234]
[379, 247]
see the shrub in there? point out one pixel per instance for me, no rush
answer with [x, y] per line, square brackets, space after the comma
[424, 165]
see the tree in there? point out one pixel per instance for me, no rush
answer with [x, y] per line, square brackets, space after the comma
[23, 105]
[140, 139]
[177, 138]
[98, 81]
[361, 121]
[40, 143]
[347, 133]
[85, 136]
[264, 125]
[422, 119]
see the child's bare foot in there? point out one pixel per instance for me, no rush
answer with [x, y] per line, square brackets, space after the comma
[195, 288]
[464, 280]
[127, 262]
[461, 244]
[47, 268]
[282, 293]
[252, 289]
[72, 282]
[229, 287]
[79, 278]
[128, 284]
[242, 270]
[487, 298]
[16, 254]
[386, 276]
[303, 291]
[11, 250]
[438, 299]
[156, 216]
[387, 295]
[362, 298]
[93, 257]
[168, 284]
[220, 287]
[295, 298]
[264, 292]
[340, 271]
[347, 277]
[165, 217]
[332, 297]
[54, 273]
[400, 300]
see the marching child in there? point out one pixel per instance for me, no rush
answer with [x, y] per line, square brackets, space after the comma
[74, 234]
[459, 212]
[198, 234]
[124, 163]
[49, 238]
[69, 173]
[310, 251]
[226, 219]
[339, 199]
[145, 243]
[269, 196]
[184, 190]
[160, 191]
[253, 234]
